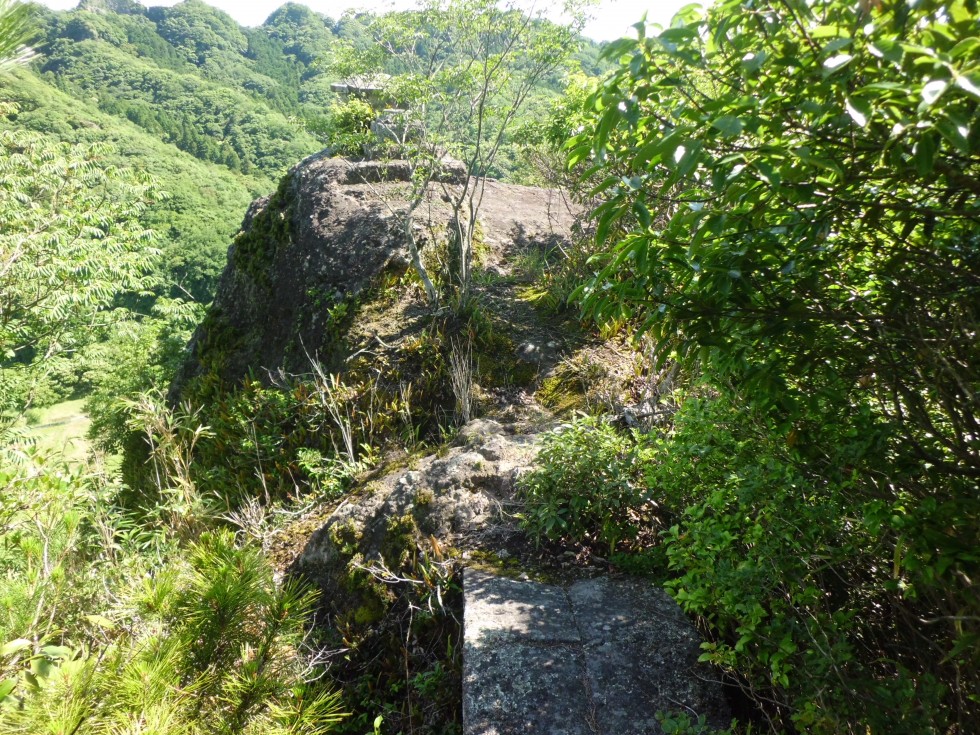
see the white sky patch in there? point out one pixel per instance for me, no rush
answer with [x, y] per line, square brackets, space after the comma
[610, 18]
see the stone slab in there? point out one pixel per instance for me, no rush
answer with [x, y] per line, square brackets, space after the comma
[601, 657]
[503, 608]
[531, 689]
[639, 647]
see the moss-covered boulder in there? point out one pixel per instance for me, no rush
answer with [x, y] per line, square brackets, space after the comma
[310, 258]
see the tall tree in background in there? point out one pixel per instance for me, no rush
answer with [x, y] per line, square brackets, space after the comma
[463, 69]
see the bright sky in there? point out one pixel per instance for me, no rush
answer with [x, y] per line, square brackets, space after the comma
[611, 18]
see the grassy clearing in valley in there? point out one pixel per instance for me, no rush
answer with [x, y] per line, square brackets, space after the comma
[61, 429]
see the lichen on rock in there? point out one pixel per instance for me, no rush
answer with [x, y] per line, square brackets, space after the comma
[452, 499]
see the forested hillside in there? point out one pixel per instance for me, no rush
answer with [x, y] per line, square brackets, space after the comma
[236, 102]
[205, 203]
[184, 92]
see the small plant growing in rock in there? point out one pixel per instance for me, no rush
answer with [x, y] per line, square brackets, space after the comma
[588, 486]
[348, 129]
[461, 377]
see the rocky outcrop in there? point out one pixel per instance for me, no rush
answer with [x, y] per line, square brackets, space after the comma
[310, 253]
[602, 654]
[450, 500]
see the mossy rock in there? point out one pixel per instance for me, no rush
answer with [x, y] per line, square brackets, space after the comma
[255, 248]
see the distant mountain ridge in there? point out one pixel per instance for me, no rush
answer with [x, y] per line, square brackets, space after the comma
[155, 80]
[238, 100]
[190, 76]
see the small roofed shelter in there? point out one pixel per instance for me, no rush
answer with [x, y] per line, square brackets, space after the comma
[371, 89]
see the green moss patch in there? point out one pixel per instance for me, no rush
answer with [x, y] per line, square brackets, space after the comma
[561, 394]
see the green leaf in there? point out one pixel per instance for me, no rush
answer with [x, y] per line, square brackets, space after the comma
[101, 621]
[887, 49]
[752, 62]
[41, 667]
[6, 687]
[829, 32]
[14, 646]
[642, 214]
[673, 35]
[606, 125]
[729, 125]
[859, 110]
[619, 48]
[932, 91]
[925, 154]
[968, 85]
[57, 652]
[965, 47]
[578, 154]
[606, 221]
[648, 154]
[956, 133]
[836, 63]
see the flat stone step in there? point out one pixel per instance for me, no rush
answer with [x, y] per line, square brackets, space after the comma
[601, 656]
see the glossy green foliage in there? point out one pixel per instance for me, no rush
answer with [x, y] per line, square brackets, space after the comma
[799, 564]
[588, 486]
[806, 555]
[789, 206]
[791, 198]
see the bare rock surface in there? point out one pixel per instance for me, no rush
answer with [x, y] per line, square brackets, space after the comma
[454, 499]
[600, 656]
[313, 250]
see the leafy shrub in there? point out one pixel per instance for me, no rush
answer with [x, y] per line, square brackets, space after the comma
[587, 486]
[797, 547]
[60, 264]
[349, 126]
[47, 519]
[142, 353]
[790, 211]
[241, 443]
[681, 723]
[791, 547]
